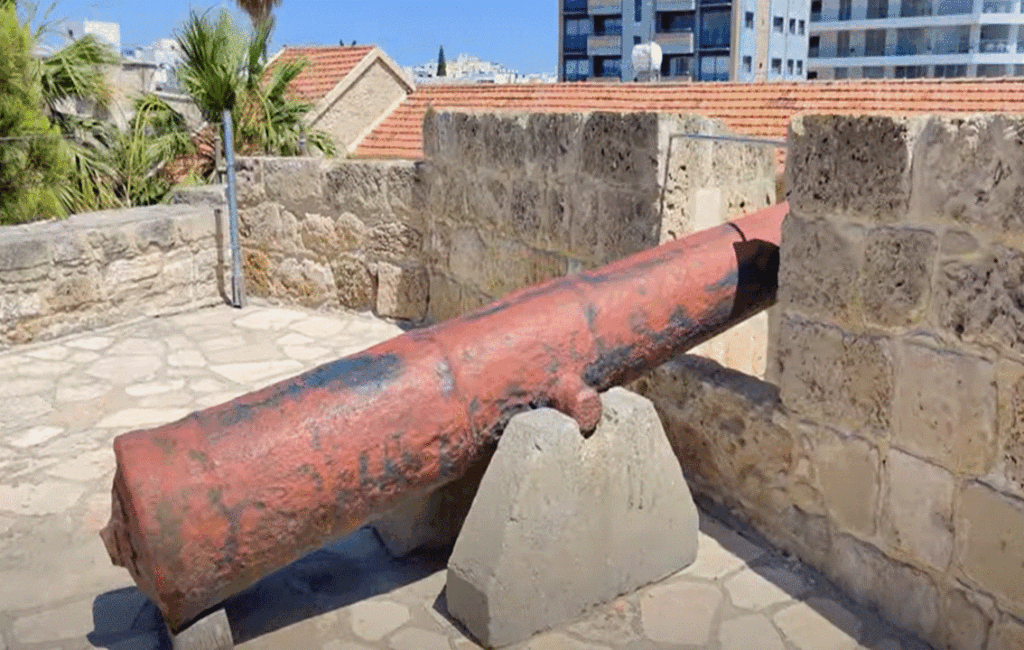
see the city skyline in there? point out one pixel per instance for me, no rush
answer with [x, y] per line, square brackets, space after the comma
[409, 32]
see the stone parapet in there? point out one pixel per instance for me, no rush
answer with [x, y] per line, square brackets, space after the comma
[102, 268]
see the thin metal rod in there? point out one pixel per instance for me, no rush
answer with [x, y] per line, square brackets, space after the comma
[237, 281]
[733, 138]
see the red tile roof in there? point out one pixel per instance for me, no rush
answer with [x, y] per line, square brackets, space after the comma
[762, 109]
[325, 67]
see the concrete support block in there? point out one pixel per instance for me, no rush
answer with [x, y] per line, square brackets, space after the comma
[430, 521]
[895, 280]
[562, 523]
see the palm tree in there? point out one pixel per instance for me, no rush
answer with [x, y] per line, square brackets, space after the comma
[223, 70]
[259, 11]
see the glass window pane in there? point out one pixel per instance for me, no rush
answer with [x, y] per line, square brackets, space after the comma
[715, 24]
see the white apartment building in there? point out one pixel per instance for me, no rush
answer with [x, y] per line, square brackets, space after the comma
[109, 33]
[906, 39]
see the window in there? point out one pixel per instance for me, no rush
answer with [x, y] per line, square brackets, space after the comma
[878, 9]
[874, 72]
[799, 68]
[675, 21]
[748, 20]
[637, 10]
[812, 75]
[607, 66]
[714, 68]
[954, 7]
[843, 44]
[748, 63]
[577, 69]
[910, 71]
[778, 23]
[675, 65]
[845, 9]
[950, 71]
[792, 25]
[607, 25]
[1018, 70]
[789, 67]
[910, 41]
[874, 42]
[815, 10]
[575, 6]
[777, 66]
[915, 8]
[991, 70]
[813, 46]
[714, 28]
[576, 30]
[800, 30]
[841, 73]
[636, 40]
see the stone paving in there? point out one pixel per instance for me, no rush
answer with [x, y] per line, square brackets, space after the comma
[65, 400]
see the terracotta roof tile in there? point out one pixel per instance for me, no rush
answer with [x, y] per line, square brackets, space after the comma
[752, 109]
[325, 67]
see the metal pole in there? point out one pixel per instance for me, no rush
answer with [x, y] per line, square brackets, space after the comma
[237, 281]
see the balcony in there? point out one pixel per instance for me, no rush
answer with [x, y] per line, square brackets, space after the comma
[604, 7]
[604, 44]
[675, 5]
[575, 44]
[997, 7]
[675, 43]
[574, 6]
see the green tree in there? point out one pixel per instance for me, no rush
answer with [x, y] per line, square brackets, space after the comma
[32, 161]
[442, 67]
[260, 12]
[223, 69]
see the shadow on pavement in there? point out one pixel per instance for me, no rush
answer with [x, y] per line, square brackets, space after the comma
[349, 570]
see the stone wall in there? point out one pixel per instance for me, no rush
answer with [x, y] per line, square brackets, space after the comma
[889, 451]
[517, 199]
[333, 234]
[102, 268]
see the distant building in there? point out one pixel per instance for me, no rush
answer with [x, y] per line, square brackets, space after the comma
[906, 39]
[160, 58]
[470, 69]
[109, 33]
[701, 40]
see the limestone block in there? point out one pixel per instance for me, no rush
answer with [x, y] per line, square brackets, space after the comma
[308, 283]
[445, 298]
[719, 423]
[989, 543]
[1008, 473]
[851, 165]
[904, 595]
[965, 625]
[894, 282]
[467, 256]
[70, 249]
[319, 236]
[847, 473]
[834, 377]
[401, 291]
[405, 187]
[156, 232]
[351, 232]
[562, 523]
[355, 286]
[818, 265]
[982, 301]
[438, 135]
[269, 228]
[967, 171]
[395, 241]
[249, 176]
[76, 291]
[470, 148]
[626, 223]
[584, 208]
[554, 141]
[294, 183]
[506, 141]
[18, 253]
[945, 407]
[526, 208]
[430, 521]
[917, 509]
[958, 242]
[114, 243]
[510, 265]
[357, 187]
[1008, 635]
[621, 148]
[488, 202]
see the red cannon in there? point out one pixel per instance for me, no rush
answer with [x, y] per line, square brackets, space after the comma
[206, 506]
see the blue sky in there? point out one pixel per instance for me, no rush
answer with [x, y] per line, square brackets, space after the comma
[521, 34]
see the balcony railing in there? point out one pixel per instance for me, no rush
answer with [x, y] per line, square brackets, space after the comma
[815, 16]
[997, 7]
[604, 6]
[1020, 47]
[675, 5]
[575, 44]
[994, 46]
[604, 42]
[574, 6]
[676, 43]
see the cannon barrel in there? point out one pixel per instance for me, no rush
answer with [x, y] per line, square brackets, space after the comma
[206, 506]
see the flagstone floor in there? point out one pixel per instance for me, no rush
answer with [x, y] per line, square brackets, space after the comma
[64, 401]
